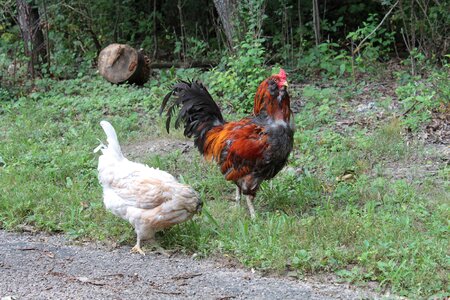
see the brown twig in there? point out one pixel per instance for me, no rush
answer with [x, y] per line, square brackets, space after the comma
[186, 276]
[376, 28]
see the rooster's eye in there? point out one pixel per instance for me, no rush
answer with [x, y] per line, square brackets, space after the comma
[273, 87]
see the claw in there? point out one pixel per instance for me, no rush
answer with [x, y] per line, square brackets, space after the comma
[137, 249]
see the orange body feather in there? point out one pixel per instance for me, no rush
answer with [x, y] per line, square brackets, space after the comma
[234, 146]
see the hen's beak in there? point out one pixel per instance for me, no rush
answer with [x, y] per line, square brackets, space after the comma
[285, 84]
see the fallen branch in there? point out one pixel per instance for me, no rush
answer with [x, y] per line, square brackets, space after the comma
[409, 109]
[27, 249]
[166, 293]
[183, 65]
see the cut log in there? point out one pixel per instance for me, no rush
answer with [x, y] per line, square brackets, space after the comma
[119, 63]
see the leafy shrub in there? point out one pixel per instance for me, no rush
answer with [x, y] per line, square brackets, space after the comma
[238, 76]
[325, 59]
[378, 44]
[330, 60]
[5, 95]
[421, 96]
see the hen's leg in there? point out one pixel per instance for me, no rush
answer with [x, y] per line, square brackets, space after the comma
[251, 209]
[137, 247]
[238, 196]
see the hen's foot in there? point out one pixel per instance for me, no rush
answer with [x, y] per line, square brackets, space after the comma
[137, 249]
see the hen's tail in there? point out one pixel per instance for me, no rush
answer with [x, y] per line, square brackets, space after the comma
[113, 147]
[198, 110]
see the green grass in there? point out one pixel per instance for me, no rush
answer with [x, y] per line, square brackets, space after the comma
[367, 227]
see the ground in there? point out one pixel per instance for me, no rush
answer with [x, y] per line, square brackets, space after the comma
[363, 200]
[39, 266]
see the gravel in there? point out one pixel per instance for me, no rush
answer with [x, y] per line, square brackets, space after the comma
[39, 266]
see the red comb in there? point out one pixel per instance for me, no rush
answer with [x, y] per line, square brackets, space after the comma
[282, 74]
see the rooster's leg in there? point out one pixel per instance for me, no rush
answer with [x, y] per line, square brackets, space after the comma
[251, 209]
[238, 196]
[137, 247]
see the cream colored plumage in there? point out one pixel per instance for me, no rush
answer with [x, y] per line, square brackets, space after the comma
[148, 198]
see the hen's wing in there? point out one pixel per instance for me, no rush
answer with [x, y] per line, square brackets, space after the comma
[138, 185]
[183, 205]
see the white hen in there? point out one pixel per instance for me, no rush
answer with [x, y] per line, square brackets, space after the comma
[150, 199]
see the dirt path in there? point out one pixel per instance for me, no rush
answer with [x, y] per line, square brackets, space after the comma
[49, 267]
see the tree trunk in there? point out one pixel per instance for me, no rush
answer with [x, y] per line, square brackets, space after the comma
[33, 38]
[226, 9]
[316, 22]
[155, 34]
[300, 25]
[183, 31]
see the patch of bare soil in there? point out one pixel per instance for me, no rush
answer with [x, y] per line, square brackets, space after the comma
[50, 267]
[144, 148]
[419, 167]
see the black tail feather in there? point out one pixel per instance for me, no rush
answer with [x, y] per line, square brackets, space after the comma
[198, 110]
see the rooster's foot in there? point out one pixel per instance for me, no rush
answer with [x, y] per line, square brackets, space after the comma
[251, 209]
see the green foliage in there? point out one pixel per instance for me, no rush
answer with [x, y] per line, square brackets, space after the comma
[78, 30]
[325, 59]
[240, 73]
[421, 96]
[239, 76]
[250, 18]
[323, 99]
[331, 61]
[5, 95]
[377, 46]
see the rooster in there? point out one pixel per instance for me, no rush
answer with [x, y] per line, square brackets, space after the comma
[248, 151]
[148, 198]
